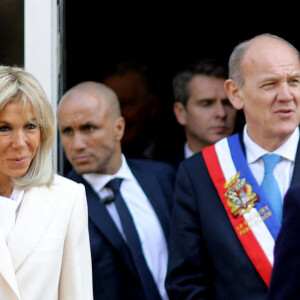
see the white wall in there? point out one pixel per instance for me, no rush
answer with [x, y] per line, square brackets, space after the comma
[41, 56]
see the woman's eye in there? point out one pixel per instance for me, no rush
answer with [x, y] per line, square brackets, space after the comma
[31, 126]
[4, 128]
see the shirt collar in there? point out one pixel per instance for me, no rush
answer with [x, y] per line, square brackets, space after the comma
[287, 150]
[98, 181]
[187, 151]
[16, 195]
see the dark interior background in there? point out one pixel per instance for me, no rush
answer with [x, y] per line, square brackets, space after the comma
[166, 38]
[12, 32]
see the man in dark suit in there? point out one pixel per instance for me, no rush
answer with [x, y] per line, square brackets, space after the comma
[201, 106]
[224, 219]
[91, 128]
[285, 280]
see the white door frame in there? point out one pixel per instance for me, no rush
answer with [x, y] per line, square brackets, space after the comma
[42, 50]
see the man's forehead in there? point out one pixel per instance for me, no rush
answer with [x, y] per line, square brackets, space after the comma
[81, 105]
[272, 68]
[269, 48]
[280, 60]
[81, 98]
[78, 120]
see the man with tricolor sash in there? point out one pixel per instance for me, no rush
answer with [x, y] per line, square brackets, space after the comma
[228, 200]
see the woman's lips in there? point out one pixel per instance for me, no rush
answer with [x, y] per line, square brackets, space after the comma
[18, 160]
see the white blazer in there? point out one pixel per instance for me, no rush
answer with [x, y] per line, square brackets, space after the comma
[48, 252]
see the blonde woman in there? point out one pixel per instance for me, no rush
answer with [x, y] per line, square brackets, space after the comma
[44, 241]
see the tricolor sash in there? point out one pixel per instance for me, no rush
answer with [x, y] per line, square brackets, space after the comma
[246, 205]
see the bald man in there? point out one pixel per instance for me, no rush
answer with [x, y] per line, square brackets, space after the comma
[91, 128]
[224, 220]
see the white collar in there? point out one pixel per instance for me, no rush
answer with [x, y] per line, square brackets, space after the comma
[187, 151]
[287, 150]
[15, 196]
[98, 181]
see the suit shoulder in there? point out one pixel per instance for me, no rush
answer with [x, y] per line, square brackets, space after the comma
[72, 174]
[194, 161]
[157, 166]
[62, 189]
[64, 181]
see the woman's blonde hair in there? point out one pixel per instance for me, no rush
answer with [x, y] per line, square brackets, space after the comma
[17, 84]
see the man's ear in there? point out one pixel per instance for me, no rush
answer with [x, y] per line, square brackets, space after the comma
[233, 94]
[119, 128]
[180, 113]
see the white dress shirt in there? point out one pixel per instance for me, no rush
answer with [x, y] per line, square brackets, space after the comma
[147, 224]
[9, 208]
[283, 171]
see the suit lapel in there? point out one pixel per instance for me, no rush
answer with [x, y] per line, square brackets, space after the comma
[36, 211]
[99, 216]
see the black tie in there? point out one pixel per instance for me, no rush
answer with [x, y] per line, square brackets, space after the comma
[133, 242]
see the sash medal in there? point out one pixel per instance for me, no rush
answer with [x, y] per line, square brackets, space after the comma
[246, 205]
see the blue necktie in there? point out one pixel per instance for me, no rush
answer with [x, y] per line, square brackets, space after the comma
[133, 242]
[270, 185]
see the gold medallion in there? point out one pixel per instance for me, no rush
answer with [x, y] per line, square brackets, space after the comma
[239, 195]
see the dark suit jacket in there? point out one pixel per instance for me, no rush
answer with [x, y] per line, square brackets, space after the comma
[114, 274]
[285, 281]
[206, 258]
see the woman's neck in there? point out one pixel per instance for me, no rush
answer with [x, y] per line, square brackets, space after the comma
[6, 190]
